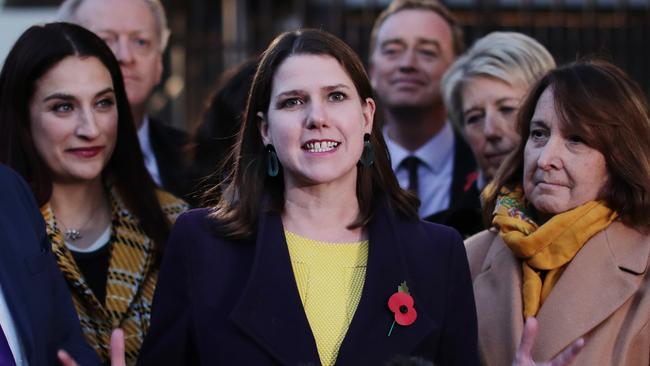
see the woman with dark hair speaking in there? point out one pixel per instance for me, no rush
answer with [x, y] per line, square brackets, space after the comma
[570, 240]
[313, 255]
[67, 129]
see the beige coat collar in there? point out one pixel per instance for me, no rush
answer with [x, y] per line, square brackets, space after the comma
[602, 276]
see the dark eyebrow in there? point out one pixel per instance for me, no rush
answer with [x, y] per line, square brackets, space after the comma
[337, 86]
[68, 97]
[62, 96]
[289, 93]
[105, 91]
[539, 123]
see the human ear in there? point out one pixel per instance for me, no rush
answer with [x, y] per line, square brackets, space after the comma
[368, 108]
[263, 126]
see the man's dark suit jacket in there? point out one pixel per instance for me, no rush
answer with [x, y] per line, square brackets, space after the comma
[167, 144]
[36, 294]
[221, 302]
[464, 212]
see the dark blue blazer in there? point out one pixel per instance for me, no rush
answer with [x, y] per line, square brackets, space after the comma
[37, 296]
[222, 302]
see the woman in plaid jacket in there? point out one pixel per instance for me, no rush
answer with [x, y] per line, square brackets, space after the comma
[67, 129]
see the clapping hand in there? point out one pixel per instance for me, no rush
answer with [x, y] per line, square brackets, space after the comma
[524, 357]
[117, 351]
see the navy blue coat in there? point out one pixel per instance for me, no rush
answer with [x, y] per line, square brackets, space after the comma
[36, 294]
[221, 302]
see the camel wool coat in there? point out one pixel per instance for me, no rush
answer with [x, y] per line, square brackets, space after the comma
[603, 295]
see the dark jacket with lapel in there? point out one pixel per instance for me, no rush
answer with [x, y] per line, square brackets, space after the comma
[37, 297]
[220, 302]
[464, 212]
[167, 144]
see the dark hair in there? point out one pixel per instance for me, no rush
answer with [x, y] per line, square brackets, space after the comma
[36, 52]
[599, 102]
[457, 41]
[248, 184]
[215, 137]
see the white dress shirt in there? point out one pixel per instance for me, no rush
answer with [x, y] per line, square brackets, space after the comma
[435, 172]
[11, 333]
[480, 180]
[147, 151]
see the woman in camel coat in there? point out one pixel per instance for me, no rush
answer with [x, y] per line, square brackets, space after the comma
[569, 240]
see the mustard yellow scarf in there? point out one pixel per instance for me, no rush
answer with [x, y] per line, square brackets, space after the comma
[549, 247]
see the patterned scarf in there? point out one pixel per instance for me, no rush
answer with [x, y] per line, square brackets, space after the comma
[131, 280]
[547, 248]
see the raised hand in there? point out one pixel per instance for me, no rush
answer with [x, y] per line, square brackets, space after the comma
[117, 351]
[523, 356]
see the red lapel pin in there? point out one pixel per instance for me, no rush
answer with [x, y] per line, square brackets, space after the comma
[401, 304]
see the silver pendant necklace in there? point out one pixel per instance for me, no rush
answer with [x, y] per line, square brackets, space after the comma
[73, 234]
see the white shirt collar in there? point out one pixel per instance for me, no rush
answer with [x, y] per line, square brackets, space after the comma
[143, 135]
[147, 151]
[480, 180]
[434, 153]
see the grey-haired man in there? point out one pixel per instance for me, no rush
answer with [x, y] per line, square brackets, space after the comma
[137, 32]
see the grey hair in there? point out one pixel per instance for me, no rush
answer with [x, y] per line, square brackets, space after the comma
[68, 13]
[511, 57]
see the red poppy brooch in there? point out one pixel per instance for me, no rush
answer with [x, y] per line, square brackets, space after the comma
[401, 304]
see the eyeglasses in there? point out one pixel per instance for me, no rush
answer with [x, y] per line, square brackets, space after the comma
[138, 44]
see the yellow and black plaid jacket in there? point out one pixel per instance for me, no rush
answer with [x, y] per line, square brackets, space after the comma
[132, 276]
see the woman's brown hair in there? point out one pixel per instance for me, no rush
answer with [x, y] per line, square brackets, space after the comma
[599, 102]
[248, 186]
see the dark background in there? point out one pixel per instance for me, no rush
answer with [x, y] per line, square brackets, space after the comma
[210, 36]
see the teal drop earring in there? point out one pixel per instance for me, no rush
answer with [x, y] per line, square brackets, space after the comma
[272, 163]
[368, 154]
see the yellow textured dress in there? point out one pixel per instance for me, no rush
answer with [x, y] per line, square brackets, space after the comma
[330, 279]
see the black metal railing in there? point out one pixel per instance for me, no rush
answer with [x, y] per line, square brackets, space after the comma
[215, 37]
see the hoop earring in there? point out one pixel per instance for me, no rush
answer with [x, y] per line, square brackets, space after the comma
[368, 154]
[272, 163]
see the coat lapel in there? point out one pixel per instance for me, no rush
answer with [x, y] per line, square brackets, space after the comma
[132, 256]
[602, 276]
[270, 310]
[367, 341]
[497, 291]
[13, 287]
[68, 265]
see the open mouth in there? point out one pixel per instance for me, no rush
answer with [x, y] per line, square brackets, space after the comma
[317, 146]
